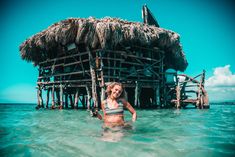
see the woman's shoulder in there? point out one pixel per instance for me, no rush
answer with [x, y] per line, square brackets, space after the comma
[122, 100]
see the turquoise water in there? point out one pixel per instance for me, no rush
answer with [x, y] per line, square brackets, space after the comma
[25, 131]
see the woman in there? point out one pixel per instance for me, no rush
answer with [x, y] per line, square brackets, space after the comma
[113, 106]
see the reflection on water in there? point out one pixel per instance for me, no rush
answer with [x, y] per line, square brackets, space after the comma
[115, 134]
[190, 132]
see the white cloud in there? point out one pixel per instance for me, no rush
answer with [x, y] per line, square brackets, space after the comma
[221, 86]
[222, 77]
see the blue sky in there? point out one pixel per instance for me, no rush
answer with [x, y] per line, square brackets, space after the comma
[206, 28]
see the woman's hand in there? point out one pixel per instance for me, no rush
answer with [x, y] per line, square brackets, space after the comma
[134, 117]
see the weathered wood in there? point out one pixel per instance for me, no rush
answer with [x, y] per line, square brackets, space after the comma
[71, 100]
[39, 96]
[156, 95]
[66, 101]
[88, 90]
[48, 97]
[76, 99]
[178, 104]
[93, 79]
[64, 74]
[102, 77]
[61, 97]
[137, 94]
[53, 97]
[61, 58]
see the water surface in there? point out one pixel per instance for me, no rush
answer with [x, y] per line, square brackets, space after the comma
[25, 131]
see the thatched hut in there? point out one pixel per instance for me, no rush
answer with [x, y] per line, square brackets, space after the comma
[77, 57]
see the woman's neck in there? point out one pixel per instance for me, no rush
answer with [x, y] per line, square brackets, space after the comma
[112, 98]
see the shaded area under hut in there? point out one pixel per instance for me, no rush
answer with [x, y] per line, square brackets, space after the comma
[78, 57]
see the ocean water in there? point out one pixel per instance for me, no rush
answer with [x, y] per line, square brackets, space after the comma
[25, 131]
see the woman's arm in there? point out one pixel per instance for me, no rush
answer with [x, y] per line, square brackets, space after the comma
[131, 110]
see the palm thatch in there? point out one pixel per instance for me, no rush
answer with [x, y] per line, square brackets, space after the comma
[106, 33]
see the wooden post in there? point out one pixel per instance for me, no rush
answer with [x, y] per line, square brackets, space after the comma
[71, 100]
[82, 100]
[93, 78]
[137, 94]
[88, 97]
[76, 99]
[39, 97]
[102, 77]
[48, 97]
[61, 97]
[178, 96]
[66, 100]
[156, 95]
[53, 97]
[57, 93]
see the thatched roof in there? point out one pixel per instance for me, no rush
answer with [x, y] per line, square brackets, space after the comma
[106, 33]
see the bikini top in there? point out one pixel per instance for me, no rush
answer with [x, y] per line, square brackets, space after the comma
[110, 111]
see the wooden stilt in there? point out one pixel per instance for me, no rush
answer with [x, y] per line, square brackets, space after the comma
[38, 97]
[88, 97]
[93, 79]
[61, 97]
[57, 92]
[71, 100]
[178, 96]
[156, 95]
[48, 97]
[53, 97]
[83, 101]
[137, 94]
[76, 99]
[102, 97]
[66, 100]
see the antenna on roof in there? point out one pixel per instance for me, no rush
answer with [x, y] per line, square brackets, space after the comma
[148, 17]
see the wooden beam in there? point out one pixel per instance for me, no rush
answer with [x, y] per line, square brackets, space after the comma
[64, 74]
[61, 58]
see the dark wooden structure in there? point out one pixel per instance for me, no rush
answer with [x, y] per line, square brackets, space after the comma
[77, 58]
[186, 90]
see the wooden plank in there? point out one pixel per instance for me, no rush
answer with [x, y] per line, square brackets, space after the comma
[61, 58]
[64, 74]
[65, 81]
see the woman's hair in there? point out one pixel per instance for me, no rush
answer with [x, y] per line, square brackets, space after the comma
[110, 87]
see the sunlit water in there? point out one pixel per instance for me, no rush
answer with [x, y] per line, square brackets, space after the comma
[25, 131]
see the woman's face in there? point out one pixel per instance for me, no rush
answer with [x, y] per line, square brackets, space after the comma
[116, 91]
